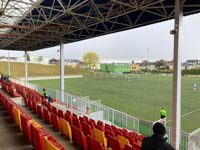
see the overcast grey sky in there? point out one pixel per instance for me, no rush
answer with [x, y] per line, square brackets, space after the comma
[133, 44]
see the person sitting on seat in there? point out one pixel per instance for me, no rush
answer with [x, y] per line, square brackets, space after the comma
[6, 79]
[157, 141]
[45, 95]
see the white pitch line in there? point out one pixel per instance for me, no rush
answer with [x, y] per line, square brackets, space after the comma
[186, 114]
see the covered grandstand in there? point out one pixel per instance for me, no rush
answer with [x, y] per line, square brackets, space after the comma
[29, 25]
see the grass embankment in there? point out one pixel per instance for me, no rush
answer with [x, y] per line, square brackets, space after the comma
[141, 98]
[18, 69]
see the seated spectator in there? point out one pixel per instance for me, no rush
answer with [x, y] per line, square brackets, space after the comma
[45, 95]
[6, 79]
[157, 141]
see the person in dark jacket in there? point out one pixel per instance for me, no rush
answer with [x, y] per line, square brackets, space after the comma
[157, 141]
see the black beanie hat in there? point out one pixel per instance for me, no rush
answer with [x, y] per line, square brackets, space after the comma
[159, 129]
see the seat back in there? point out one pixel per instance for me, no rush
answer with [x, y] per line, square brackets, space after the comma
[65, 128]
[109, 133]
[91, 123]
[114, 143]
[68, 112]
[78, 137]
[86, 129]
[94, 144]
[47, 116]
[37, 136]
[40, 111]
[61, 114]
[129, 148]
[77, 123]
[68, 117]
[136, 146]
[123, 141]
[52, 144]
[55, 121]
[17, 117]
[100, 123]
[55, 110]
[26, 125]
[100, 128]
[99, 136]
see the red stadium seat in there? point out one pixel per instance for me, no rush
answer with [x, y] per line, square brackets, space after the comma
[75, 116]
[61, 114]
[68, 118]
[94, 144]
[87, 129]
[78, 137]
[37, 137]
[55, 110]
[100, 128]
[86, 118]
[76, 123]
[47, 116]
[113, 143]
[55, 121]
[26, 127]
[91, 123]
[68, 112]
[82, 119]
[100, 123]
[109, 133]
[34, 107]
[40, 111]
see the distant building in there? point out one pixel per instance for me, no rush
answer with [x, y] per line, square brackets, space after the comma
[53, 61]
[193, 62]
[74, 63]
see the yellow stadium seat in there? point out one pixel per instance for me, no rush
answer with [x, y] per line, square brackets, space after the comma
[65, 128]
[139, 143]
[99, 136]
[17, 117]
[123, 141]
[35, 124]
[48, 145]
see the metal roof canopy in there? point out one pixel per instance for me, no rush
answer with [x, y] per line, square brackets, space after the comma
[35, 24]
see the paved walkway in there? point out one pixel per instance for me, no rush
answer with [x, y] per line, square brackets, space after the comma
[52, 77]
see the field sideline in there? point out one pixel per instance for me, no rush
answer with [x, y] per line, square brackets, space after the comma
[141, 98]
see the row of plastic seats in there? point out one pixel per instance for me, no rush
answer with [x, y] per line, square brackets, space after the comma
[89, 127]
[37, 136]
[29, 93]
[9, 87]
[71, 128]
[83, 127]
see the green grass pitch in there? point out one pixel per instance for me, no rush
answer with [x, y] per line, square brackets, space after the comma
[141, 98]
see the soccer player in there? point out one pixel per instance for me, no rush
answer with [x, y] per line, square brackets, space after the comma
[194, 86]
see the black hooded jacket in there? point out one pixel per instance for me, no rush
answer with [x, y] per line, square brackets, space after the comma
[156, 142]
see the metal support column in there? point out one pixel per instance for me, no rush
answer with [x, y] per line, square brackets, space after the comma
[176, 108]
[26, 68]
[62, 72]
[9, 63]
